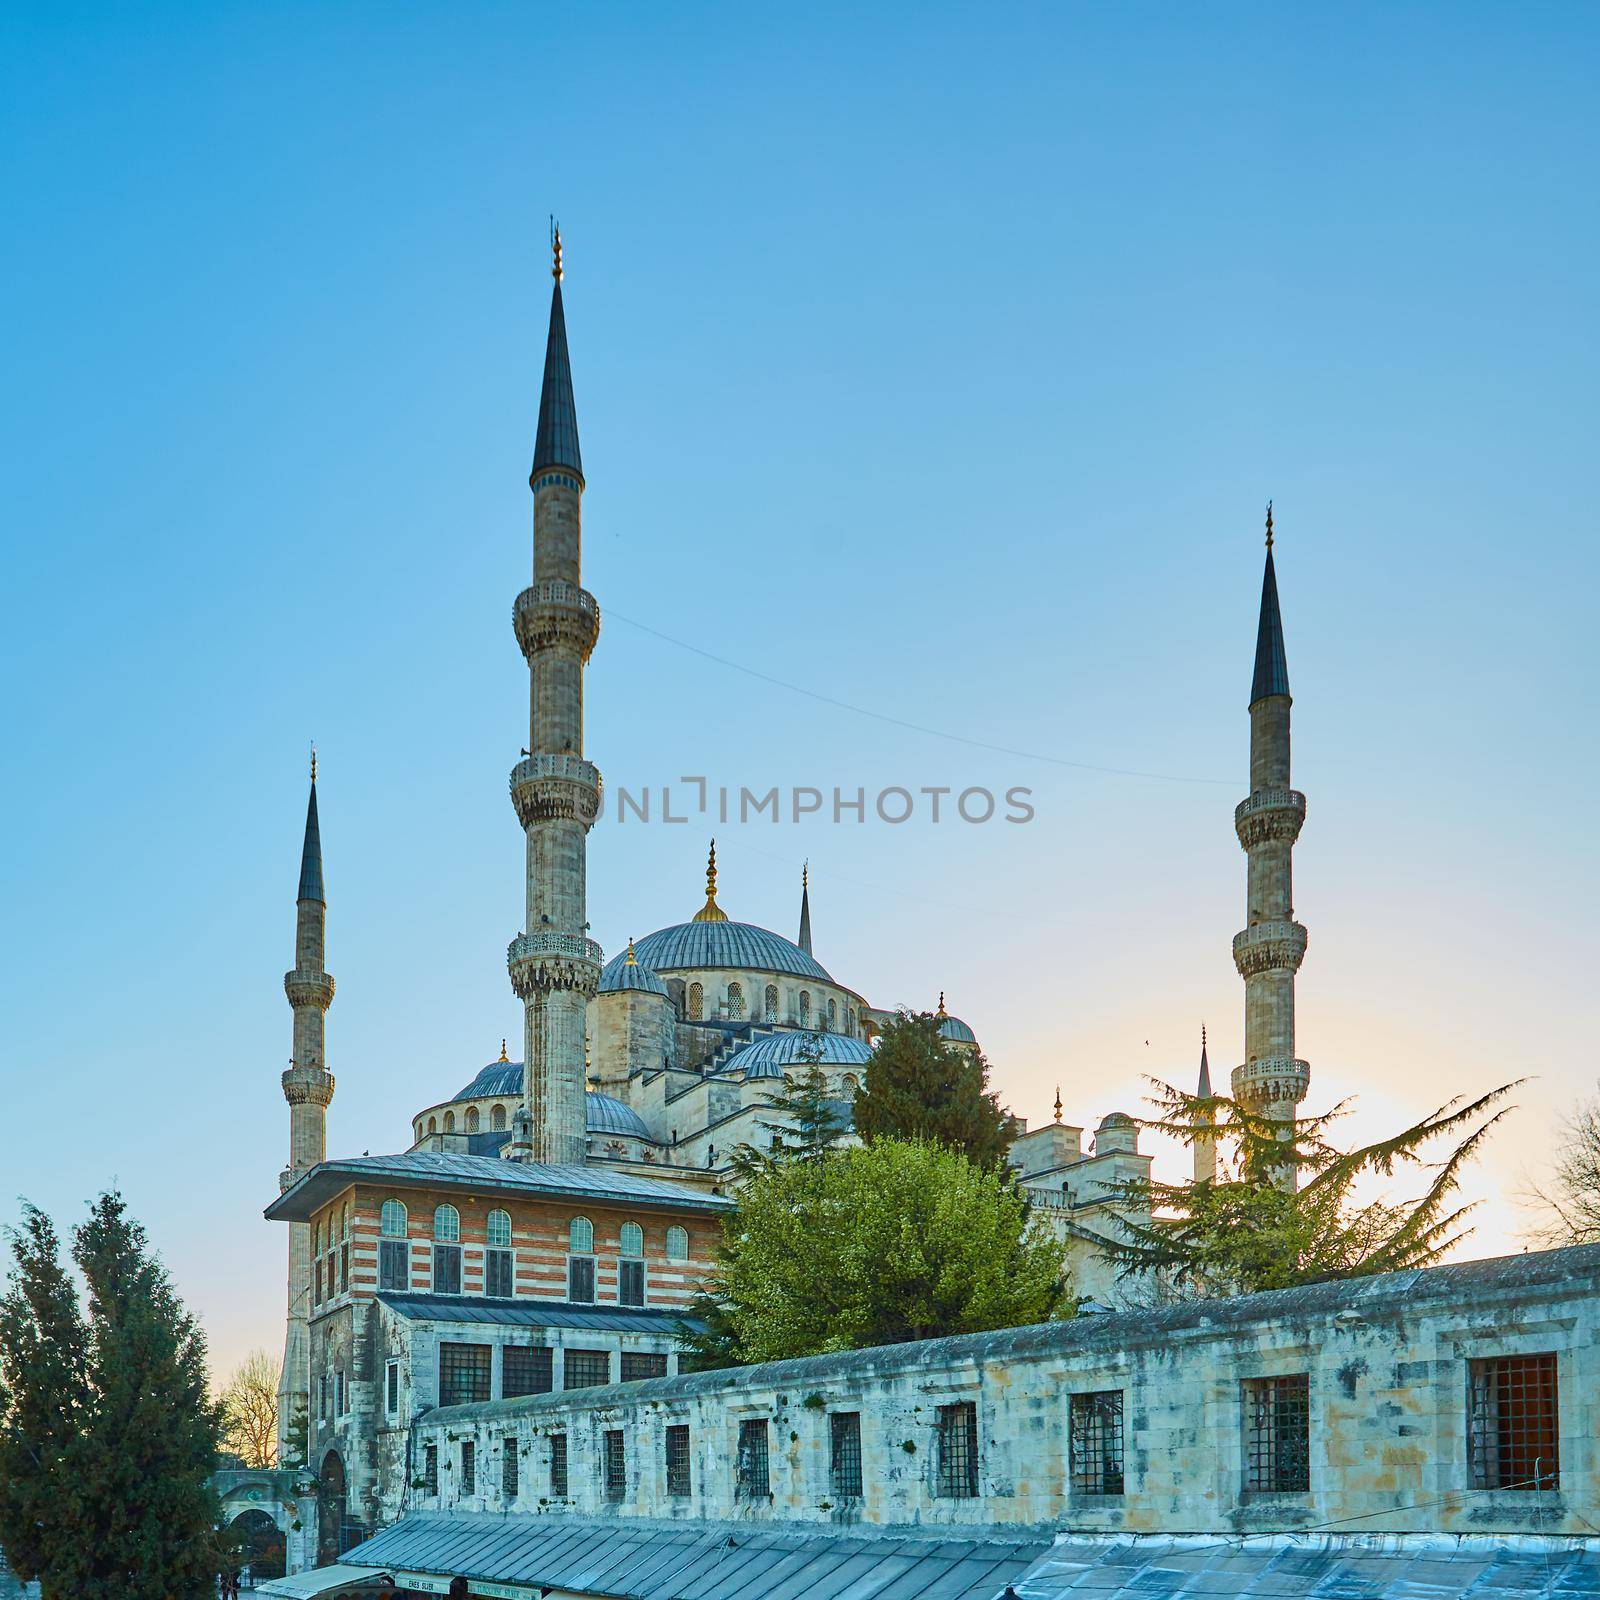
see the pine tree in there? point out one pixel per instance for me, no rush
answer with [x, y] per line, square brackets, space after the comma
[920, 1086]
[805, 1118]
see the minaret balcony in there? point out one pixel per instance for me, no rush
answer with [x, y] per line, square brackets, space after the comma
[1269, 814]
[550, 616]
[556, 788]
[542, 962]
[307, 1086]
[308, 989]
[1269, 947]
[1271, 1081]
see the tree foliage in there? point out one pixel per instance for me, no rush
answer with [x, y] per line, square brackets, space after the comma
[1243, 1232]
[920, 1086]
[107, 1435]
[878, 1244]
[1568, 1196]
[805, 1119]
[250, 1410]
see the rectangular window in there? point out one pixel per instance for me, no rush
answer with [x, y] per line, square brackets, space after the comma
[430, 1469]
[344, 1268]
[316, 1284]
[526, 1369]
[447, 1269]
[394, 1266]
[463, 1373]
[338, 1393]
[322, 1397]
[508, 1467]
[1513, 1437]
[614, 1464]
[640, 1364]
[391, 1387]
[469, 1467]
[1095, 1429]
[754, 1481]
[630, 1283]
[1277, 1434]
[585, 1369]
[497, 1275]
[558, 1466]
[844, 1454]
[678, 1459]
[958, 1450]
[580, 1280]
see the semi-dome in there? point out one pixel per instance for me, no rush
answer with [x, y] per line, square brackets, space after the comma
[767, 1056]
[603, 1113]
[498, 1078]
[626, 972]
[738, 945]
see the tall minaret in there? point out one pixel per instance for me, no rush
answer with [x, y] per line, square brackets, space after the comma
[308, 1087]
[804, 940]
[554, 965]
[1273, 1080]
[1204, 1148]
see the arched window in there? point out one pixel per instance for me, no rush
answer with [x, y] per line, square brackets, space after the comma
[631, 1240]
[497, 1119]
[344, 1222]
[472, 1119]
[805, 1009]
[316, 1238]
[433, 1124]
[833, 1016]
[499, 1225]
[850, 1021]
[851, 1082]
[580, 1236]
[735, 1001]
[770, 1005]
[696, 1002]
[449, 1122]
[392, 1220]
[446, 1224]
[677, 1244]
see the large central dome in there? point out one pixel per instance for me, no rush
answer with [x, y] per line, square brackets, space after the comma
[739, 945]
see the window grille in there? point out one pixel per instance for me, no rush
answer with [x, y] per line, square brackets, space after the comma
[770, 1004]
[498, 1228]
[631, 1239]
[1277, 1434]
[508, 1467]
[580, 1236]
[394, 1265]
[640, 1364]
[1513, 1437]
[844, 1454]
[696, 1003]
[471, 1121]
[678, 1459]
[447, 1225]
[754, 1474]
[614, 1463]
[392, 1219]
[447, 1269]
[344, 1268]
[497, 1119]
[463, 1373]
[558, 1466]
[497, 1275]
[391, 1387]
[316, 1292]
[805, 1009]
[1095, 1428]
[430, 1469]
[585, 1369]
[677, 1244]
[735, 1002]
[630, 1283]
[833, 1016]
[526, 1369]
[958, 1450]
[322, 1397]
[338, 1393]
[580, 1279]
[469, 1467]
[449, 1122]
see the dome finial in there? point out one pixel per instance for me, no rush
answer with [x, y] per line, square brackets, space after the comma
[1058, 1102]
[711, 911]
[503, 1055]
[632, 960]
[555, 249]
[942, 1012]
[1269, 525]
[313, 761]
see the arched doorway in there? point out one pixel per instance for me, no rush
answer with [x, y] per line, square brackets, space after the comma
[333, 1512]
[262, 1545]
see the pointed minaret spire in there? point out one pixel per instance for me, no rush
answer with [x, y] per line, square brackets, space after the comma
[311, 850]
[1203, 1089]
[1272, 665]
[711, 911]
[556, 443]
[1205, 1146]
[805, 908]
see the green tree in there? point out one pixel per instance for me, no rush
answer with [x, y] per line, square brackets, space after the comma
[920, 1086]
[1243, 1232]
[295, 1449]
[805, 1119]
[878, 1244]
[138, 1510]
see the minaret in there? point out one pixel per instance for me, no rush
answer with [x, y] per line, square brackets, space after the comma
[308, 1087]
[554, 965]
[1204, 1148]
[805, 908]
[1273, 1080]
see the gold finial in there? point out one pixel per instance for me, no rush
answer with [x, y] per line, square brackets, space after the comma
[503, 1055]
[313, 763]
[1269, 527]
[805, 873]
[711, 911]
[1202, 1036]
[555, 250]
[1058, 1102]
[631, 961]
[942, 1012]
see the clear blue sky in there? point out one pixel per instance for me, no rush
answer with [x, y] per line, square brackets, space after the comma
[936, 359]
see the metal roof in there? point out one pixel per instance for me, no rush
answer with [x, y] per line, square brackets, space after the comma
[532, 1312]
[767, 1056]
[1272, 665]
[556, 443]
[622, 973]
[437, 1169]
[311, 853]
[498, 1078]
[639, 1559]
[738, 945]
[606, 1114]
[954, 1028]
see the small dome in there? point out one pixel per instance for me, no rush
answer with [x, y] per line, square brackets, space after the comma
[621, 974]
[736, 945]
[605, 1114]
[954, 1028]
[1117, 1119]
[499, 1077]
[767, 1056]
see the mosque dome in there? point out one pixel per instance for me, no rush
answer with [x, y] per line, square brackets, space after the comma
[626, 972]
[1117, 1119]
[603, 1113]
[955, 1029]
[498, 1078]
[737, 945]
[767, 1056]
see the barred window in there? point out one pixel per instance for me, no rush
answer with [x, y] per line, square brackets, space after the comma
[631, 1239]
[833, 1016]
[338, 1393]
[580, 1236]
[497, 1119]
[613, 1463]
[447, 1269]
[630, 1283]
[498, 1226]
[558, 1466]
[1095, 1428]
[641, 1364]
[844, 1454]
[508, 1467]
[447, 1225]
[469, 1467]
[580, 1279]
[394, 1265]
[1277, 1434]
[430, 1469]
[754, 1475]
[316, 1289]
[1513, 1437]
[958, 1450]
[471, 1121]
[463, 1373]
[526, 1369]
[585, 1369]
[322, 1396]
[678, 1459]
[497, 1274]
[696, 1002]
[391, 1387]
[805, 1009]
[392, 1219]
[433, 1124]
[770, 1003]
[449, 1122]
[344, 1267]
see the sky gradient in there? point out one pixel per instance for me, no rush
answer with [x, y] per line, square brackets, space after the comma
[938, 361]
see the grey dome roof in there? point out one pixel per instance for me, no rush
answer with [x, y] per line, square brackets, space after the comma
[499, 1077]
[767, 1056]
[726, 944]
[618, 975]
[955, 1028]
[604, 1114]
